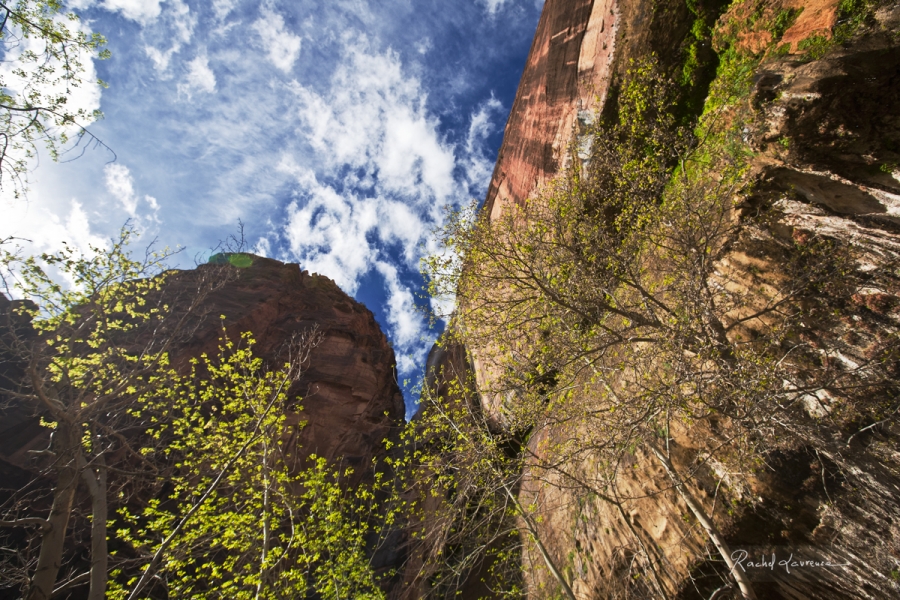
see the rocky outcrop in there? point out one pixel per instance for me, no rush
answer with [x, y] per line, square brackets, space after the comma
[827, 149]
[350, 398]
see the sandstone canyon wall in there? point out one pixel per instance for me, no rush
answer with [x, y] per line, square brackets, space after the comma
[350, 398]
[350, 401]
[825, 146]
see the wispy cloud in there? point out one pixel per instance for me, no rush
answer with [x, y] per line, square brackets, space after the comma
[199, 77]
[142, 11]
[177, 26]
[380, 173]
[492, 6]
[120, 185]
[46, 228]
[336, 131]
[281, 46]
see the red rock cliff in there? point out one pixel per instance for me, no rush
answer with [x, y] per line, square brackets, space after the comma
[826, 155]
[350, 398]
[567, 71]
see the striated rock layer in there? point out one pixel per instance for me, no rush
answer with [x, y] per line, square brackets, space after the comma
[566, 75]
[826, 146]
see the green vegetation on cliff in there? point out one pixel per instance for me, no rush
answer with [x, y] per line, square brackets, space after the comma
[609, 318]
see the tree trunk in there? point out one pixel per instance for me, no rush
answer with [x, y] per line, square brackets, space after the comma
[545, 554]
[96, 484]
[735, 571]
[66, 445]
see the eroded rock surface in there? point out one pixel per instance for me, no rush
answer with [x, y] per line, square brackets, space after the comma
[826, 149]
[350, 398]
[566, 76]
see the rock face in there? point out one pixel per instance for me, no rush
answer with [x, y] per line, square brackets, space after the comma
[826, 165]
[351, 400]
[567, 74]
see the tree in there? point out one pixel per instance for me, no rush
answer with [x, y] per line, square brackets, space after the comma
[603, 313]
[191, 492]
[233, 515]
[48, 50]
[460, 485]
[94, 345]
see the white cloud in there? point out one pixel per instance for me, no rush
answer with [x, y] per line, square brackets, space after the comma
[76, 231]
[423, 45]
[40, 228]
[282, 46]
[199, 78]
[161, 58]
[328, 233]
[120, 185]
[222, 8]
[387, 165]
[374, 118]
[481, 125]
[80, 5]
[84, 97]
[492, 6]
[142, 11]
[376, 181]
[407, 324]
[177, 25]
[52, 226]
[263, 247]
[180, 20]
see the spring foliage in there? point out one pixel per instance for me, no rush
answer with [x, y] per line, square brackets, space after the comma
[265, 524]
[191, 485]
[48, 49]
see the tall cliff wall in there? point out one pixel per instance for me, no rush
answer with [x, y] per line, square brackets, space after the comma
[826, 145]
[567, 73]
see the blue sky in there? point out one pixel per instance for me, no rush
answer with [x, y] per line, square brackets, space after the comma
[336, 131]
